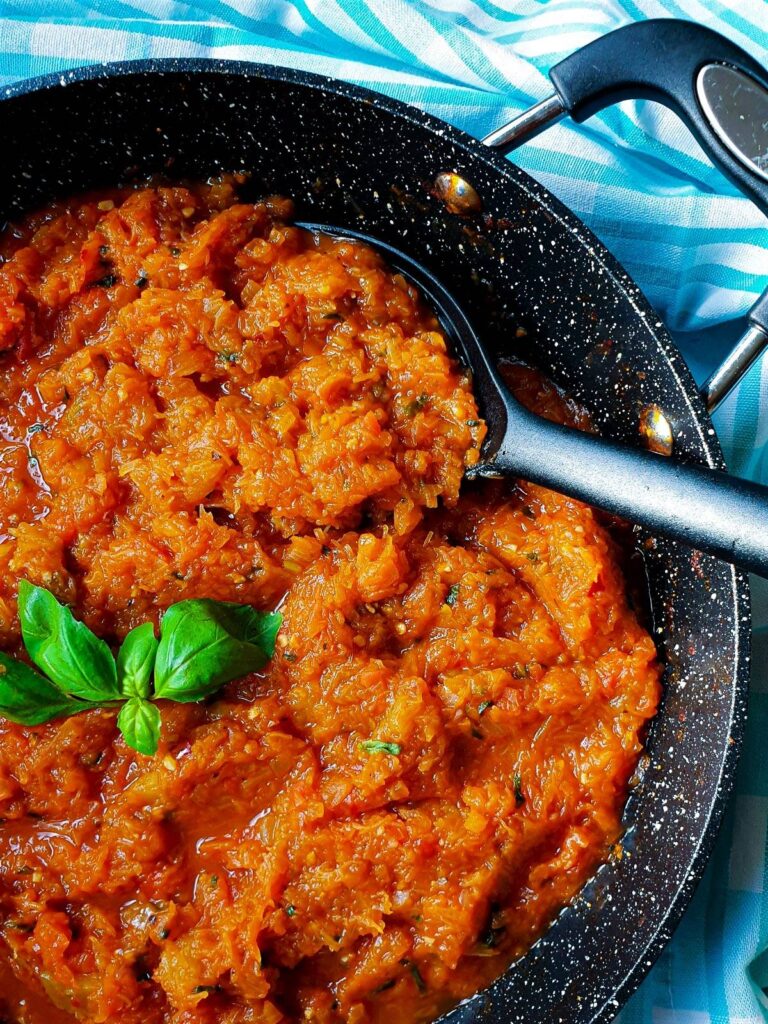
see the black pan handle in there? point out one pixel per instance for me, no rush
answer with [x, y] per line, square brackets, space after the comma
[713, 85]
[704, 508]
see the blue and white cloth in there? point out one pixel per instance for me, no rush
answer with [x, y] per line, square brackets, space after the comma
[635, 176]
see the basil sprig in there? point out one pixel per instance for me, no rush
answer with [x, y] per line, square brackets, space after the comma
[203, 645]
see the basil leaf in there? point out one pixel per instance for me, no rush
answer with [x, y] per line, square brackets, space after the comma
[66, 650]
[205, 644]
[139, 722]
[264, 628]
[28, 698]
[135, 661]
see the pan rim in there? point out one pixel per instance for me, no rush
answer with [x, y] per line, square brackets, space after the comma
[539, 194]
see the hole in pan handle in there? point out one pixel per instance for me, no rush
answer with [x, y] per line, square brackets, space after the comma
[713, 85]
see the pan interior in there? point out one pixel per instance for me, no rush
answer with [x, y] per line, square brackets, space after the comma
[536, 286]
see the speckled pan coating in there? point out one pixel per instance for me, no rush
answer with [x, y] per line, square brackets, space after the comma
[355, 159]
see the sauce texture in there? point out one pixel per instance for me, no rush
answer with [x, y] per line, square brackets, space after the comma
[199, 400]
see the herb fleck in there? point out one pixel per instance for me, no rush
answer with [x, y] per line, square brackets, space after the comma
[289, 655]
[453, 593]
[228, 357]
[473, 423]
[483, 706]
[533, 556]
[493, 930]
[421, 985]
[290, 910]
[19, 926]
[519, 795]
[383, 988]
[380, 747]
[416, 405]
[36, 428]
[106, 282]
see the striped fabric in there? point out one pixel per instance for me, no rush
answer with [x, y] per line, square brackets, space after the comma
[698, 249]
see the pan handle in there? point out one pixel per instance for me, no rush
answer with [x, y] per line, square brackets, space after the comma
[703, 508]
[713, 85]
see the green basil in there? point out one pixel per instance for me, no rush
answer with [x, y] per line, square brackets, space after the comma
[421, 985]
[518, 784]
[205, 644]
[28, 698]
[136, 660]
[67, 651]
[380, 747]
[139, 722]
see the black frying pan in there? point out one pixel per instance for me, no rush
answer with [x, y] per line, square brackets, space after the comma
[538, 286]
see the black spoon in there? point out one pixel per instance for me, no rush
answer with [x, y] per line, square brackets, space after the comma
[704, 508]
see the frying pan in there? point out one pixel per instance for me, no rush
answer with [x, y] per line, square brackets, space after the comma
[537, 286]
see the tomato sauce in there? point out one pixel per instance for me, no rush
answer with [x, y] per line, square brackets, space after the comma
[199, 400]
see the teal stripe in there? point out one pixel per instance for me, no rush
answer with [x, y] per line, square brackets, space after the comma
[523, 34]
[537, 158]
[730, 16]
[690, 234]
[138, 36]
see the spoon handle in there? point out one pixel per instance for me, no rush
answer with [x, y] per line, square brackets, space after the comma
[703, 508]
